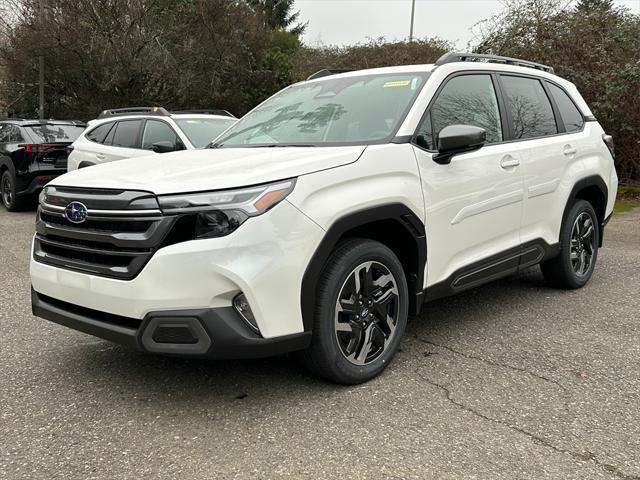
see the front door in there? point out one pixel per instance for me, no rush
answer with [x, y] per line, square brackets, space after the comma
[474, 204]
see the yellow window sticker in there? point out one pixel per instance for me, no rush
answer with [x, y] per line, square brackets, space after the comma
[397, 83]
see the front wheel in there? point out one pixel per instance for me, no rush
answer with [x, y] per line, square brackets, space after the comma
[579, 240]
[361, 313]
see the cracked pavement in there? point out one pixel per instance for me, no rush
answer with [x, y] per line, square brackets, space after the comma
[510, 380]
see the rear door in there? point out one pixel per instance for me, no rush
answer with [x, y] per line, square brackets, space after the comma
[547, 130]
[123, 141]
[474, 204]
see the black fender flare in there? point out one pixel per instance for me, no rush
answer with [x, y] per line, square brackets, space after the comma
[590, 181]
[395, 211]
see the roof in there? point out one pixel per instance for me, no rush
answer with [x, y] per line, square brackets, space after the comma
[27, 122]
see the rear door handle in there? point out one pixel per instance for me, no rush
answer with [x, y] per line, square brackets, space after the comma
[100, 156]
[509, 162]
[569, 150]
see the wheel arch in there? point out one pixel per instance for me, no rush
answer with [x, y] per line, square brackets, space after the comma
[6, 164]
[594, 190]
[393, 225]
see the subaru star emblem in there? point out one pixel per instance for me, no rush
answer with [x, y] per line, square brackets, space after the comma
[76, 212]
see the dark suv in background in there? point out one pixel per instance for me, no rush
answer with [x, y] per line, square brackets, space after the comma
[32, 153]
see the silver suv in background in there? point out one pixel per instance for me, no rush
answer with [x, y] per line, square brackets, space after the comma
[134, 132]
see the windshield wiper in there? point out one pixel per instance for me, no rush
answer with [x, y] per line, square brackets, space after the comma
[265, 145]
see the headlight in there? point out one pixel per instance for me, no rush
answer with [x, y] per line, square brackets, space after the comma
[220, 212]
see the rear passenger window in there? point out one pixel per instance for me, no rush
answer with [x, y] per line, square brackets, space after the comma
[571, 116]
[99, 133]
[529, 106]
[126, 134]
[15, 135]
[464, 100]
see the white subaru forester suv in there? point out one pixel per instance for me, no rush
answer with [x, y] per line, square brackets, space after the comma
[330, 213]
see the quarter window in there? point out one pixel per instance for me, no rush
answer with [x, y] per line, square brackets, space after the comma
[126, 134]
[464, 100]
[529, 106]
[157, 131]
[571, 116]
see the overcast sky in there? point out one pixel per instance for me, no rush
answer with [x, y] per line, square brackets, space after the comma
[346, 22]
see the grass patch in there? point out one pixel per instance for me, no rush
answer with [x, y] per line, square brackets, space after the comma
[628, 198]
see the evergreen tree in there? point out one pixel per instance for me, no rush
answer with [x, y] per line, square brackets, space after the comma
[278, 15]
[589, 6]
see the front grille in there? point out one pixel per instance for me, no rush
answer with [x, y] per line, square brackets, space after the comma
[122, 231]
[101, 225]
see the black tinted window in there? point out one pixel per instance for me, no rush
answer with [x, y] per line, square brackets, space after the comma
[464, 100]
[4, 133]
[99, 133]
[530, 107]
[53, 132]
[157, 131]
[571, 116]
[15, 135]
[126, 134]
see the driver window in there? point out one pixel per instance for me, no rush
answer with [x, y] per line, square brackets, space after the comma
[465, 100]
[157, 131]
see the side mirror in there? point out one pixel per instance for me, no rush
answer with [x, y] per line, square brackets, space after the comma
[163, 146]
[456, 139]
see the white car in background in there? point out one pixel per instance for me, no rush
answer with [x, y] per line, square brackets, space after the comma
[123, 133]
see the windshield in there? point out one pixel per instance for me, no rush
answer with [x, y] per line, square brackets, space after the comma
[345, 110]
[47, 133]
[202, 131]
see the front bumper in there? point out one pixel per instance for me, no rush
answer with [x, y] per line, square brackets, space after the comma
[265, 259]
[204, 333]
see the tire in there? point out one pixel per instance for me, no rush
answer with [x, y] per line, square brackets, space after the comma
[579, 240]
[351, 341]
[8, 192]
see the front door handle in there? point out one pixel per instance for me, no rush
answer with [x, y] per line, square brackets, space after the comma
[509, 162]
[569, 150]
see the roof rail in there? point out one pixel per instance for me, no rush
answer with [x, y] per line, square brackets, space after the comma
[328, 71]
[134, 111]
[207, 111]
[479, 57]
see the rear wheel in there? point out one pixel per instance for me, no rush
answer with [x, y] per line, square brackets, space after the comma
[579, 240]
[361, 313]
[8, 192]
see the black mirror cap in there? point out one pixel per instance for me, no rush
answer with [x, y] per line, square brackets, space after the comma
[163, 147]
[456, 139]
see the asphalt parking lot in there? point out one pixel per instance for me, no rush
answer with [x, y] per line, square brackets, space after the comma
[512, 380]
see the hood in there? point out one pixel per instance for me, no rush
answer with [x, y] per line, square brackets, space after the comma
[209, 169]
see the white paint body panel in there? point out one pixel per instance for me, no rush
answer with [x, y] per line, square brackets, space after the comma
[474, 208]
[210, 169]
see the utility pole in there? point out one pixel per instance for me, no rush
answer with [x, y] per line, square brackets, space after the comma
[41, 63]
[413, 11]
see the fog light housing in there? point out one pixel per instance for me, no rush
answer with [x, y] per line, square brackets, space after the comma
[243, 308]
